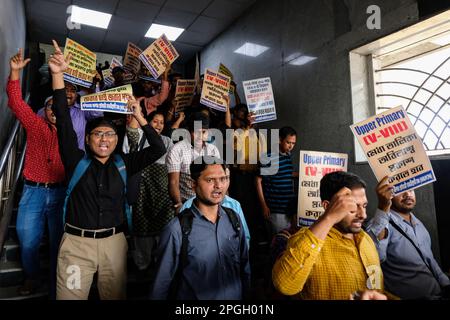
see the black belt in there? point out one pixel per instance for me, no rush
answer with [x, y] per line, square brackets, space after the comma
[93, 233]
[43, 184]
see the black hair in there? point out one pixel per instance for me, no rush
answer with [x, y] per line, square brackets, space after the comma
[240, 106]
[200, 117]
[200, 163]
[335, 181]
[99, 122]
[138, 90]
[117, 69]
[287, 131]
[150, 116]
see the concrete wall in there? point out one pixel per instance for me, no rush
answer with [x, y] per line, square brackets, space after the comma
[314, 98]
[12, 37]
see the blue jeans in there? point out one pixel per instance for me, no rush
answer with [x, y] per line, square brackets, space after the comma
[37, 205]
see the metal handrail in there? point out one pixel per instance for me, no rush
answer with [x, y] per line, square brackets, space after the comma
[10, 172]
[9, 145]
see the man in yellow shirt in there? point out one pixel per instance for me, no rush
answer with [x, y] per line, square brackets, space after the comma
[334, 258]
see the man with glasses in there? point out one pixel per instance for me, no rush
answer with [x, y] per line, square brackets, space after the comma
[96, 213]
[78, 116]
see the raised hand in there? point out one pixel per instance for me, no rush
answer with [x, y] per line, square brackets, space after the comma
[181, 116]
[227, 102]
[134, 106]
[385, 193]
[57, 63]
[341, 205]
[17, 62]
[166, 72]
[251, 117]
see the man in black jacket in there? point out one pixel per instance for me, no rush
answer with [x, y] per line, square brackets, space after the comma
[95, 211]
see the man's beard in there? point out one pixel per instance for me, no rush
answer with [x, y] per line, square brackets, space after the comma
[348, 228]
[403, 208]
[206, 201]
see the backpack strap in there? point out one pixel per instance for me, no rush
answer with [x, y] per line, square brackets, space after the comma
[79, 171]
[120, 165]
[233, 219]
[185, 218]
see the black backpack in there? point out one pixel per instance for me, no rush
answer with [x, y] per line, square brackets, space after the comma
[186, 217]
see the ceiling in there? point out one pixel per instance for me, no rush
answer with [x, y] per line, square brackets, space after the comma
[202, 20]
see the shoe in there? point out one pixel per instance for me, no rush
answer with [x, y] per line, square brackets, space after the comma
[28, 288]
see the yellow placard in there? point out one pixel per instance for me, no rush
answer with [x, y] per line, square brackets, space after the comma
[82, 66]
[131, 61]
[112, 100]
[156, 57]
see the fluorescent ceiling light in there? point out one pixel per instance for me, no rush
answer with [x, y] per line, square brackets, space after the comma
[297, 59]
[157, 30]
[251, 49]
[90, 17]
[442, 41]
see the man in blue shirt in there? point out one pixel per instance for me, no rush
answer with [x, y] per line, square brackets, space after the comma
[404, 246]
[228, 202]
[217, 266]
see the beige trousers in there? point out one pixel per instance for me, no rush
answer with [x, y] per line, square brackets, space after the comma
[80, 258]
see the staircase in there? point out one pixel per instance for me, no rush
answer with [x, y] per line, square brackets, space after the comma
[11, 271]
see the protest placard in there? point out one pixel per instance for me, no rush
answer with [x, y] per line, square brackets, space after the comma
[114, 63]
[131, 62]
[215, 86]
[107, 73]
[224, 70]
[107, 77]
[112, 100]
[313, 166]
[393, 148]
[81, 69]
[158, 55]
[260, 100]
[184, 93]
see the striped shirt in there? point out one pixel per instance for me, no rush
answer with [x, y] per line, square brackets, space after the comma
[278, 188]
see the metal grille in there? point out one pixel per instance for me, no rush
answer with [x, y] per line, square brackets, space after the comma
[422, 86]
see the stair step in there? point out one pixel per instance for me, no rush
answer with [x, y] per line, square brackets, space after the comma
[11, 250]
[11, 274]
[12, 232]
[10, 293]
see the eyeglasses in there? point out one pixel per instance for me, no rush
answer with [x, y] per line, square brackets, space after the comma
[101, 134]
